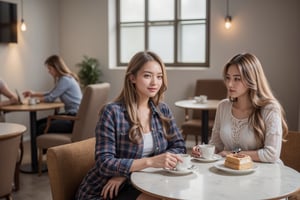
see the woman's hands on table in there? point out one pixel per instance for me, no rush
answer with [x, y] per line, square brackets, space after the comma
[165, 160]
[197, 154]
[27, 93]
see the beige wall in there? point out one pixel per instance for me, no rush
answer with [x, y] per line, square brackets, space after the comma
[21, 64]
[74, 28]
[268, 28]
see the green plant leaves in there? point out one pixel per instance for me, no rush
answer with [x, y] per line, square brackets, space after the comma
[89, 72]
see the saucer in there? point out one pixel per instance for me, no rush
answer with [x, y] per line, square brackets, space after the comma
[215, 157]
[220, 166]
[181, 172]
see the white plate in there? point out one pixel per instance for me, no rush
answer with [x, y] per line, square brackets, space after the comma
[220, 166]
[181, 172]
[215, 157]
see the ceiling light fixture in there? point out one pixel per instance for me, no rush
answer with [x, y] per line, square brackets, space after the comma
[23, 25]
[228, 17]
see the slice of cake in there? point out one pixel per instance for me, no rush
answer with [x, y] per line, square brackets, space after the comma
[238, 161]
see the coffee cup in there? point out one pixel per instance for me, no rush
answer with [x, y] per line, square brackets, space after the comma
[185, 164]
[207, 150]
[32, 101]
[201, 99]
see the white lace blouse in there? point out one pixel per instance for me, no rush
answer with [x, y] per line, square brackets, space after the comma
[229, 132]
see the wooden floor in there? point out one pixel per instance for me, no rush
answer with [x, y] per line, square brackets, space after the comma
[34, 187]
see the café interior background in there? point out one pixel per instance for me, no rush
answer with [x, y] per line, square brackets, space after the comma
[72, 28]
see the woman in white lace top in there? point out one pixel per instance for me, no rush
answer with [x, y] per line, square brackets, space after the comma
[251, 119]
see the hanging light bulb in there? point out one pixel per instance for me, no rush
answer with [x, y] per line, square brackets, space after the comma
[23, 25]
[227, 22]
[228, 17]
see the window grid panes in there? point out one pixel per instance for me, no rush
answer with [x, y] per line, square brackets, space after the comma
[177, 30]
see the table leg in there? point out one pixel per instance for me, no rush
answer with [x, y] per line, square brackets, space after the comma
[204, 136]
[33, 166]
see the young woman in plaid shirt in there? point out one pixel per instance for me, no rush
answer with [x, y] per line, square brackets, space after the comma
[137, 130]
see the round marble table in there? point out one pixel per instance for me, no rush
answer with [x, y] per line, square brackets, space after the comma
[268, 181]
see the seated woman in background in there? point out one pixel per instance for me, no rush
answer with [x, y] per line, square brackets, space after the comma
[11, 97]
[67, 89]
[134, 132]
[251, 119]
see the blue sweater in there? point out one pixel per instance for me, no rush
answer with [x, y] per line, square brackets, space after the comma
[68, 91]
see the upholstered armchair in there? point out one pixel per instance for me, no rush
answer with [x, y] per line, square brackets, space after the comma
[290, 151]
[67, 165]
[290, 155]
[10, 139]
[94, 97]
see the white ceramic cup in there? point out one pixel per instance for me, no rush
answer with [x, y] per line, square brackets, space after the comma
[185, 164]
[32, 101]
[207, 150]
[201, 99]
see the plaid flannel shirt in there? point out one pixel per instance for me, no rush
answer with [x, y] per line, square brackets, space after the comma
[115, 153]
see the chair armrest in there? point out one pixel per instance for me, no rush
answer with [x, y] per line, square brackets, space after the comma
[60, 117]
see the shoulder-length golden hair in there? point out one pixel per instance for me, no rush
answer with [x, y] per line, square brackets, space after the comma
[130, 97]
[60, 66]
[260, 93]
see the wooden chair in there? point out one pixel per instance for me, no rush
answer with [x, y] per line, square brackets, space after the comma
[290, 155]
[213, 89]
[94, 97]
[67, 165]
[290, 151]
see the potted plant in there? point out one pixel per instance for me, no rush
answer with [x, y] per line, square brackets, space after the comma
[89, 72]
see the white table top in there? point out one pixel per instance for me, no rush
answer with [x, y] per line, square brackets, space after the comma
[207, 182]
[192, 104]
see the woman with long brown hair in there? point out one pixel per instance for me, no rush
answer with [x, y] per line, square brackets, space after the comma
[137, 130]
[67, 89]
[251, 120]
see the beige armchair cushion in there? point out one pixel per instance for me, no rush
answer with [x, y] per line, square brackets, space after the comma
[67, 165]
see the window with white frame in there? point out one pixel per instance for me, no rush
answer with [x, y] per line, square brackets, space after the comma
[177, 30]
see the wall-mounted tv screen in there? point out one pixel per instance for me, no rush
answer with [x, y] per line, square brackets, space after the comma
[8, 22]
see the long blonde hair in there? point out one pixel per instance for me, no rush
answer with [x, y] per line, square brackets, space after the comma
[260, 93]
[60, 66]
[130, 97]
